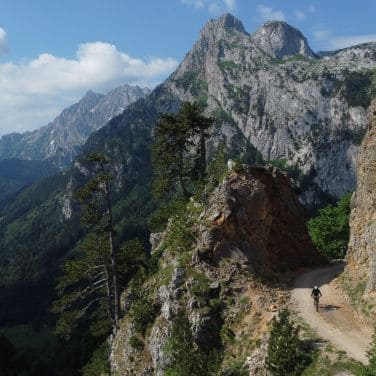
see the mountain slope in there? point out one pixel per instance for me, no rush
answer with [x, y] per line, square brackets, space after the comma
[300, 108]
[16, 174]
[240, 234]
[60, 141]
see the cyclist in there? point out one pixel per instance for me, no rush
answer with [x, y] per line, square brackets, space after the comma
[315, 294]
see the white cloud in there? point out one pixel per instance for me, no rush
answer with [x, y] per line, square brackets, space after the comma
[348, 41]
[214, 7]
[311, 8]
[230, 5]
[33, 92]
[269, 14]
[299, 15]
[3, 42]
[195, 3]
[330, 42]
[320, 35]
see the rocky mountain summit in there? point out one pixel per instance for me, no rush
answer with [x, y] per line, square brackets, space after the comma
[280, 40]
[60, 141]
[270, 90]
[361, 255]
[252, 225]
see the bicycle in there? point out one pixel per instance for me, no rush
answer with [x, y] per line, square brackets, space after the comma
[316, 302]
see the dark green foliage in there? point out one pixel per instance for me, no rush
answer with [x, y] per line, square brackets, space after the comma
[55, 357]
[217, 167]
[166, 209]
[90, 285]
[285, 355]
[293, 171]
[370, 369]
[177, 158]
[133, 263]
[32, 233]
[16, 174]
[99, 362]
[235, 369]
[359, 88]
[186, 358]
[136, 343]
[143, 311]
[82, 287]
[330, 230]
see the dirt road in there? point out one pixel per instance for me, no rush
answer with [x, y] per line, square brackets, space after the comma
[335, 321]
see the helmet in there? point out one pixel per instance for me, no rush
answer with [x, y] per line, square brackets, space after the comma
[315, 287]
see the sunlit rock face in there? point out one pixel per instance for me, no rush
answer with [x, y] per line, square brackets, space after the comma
[361, 256]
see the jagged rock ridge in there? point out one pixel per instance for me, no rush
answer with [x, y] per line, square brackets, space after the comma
[271, 90]
[60, 141]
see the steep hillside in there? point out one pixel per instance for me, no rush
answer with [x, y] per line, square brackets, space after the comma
[40, 226]
[214, 260]
[361, 256]
[60, 141]
[16, 174]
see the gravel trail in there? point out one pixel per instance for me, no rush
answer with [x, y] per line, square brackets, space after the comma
[336, 320]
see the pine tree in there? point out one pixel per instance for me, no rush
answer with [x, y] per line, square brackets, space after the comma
[179, 149]
[191, 118]
[284, 351]
[183, 350]
[91, 281]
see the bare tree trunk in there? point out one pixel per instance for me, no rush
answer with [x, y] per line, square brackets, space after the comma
[109, 298]
[113, 260]
[111, 234]
[202, 155]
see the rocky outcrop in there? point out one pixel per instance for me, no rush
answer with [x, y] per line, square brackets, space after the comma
[361, 256]
[257, 220]
[251, 227]
[60, 141]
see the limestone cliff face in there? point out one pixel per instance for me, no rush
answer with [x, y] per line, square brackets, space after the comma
[251, 226]
[271, 90]
[361, 257]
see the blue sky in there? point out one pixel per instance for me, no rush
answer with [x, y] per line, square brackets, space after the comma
[53, 51]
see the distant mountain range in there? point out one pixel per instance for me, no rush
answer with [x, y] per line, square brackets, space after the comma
[60, 141]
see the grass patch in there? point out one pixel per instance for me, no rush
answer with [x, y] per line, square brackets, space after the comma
[324, 366]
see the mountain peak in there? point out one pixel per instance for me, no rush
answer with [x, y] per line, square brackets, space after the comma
[226, 22]
[279, 39]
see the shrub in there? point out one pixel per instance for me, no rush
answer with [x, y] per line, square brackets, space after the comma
[144, 311]
[185, 355]
[136, 343]
[285, 355]
[330, 230]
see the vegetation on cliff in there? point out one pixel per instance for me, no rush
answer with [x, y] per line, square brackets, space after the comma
[330, 230]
